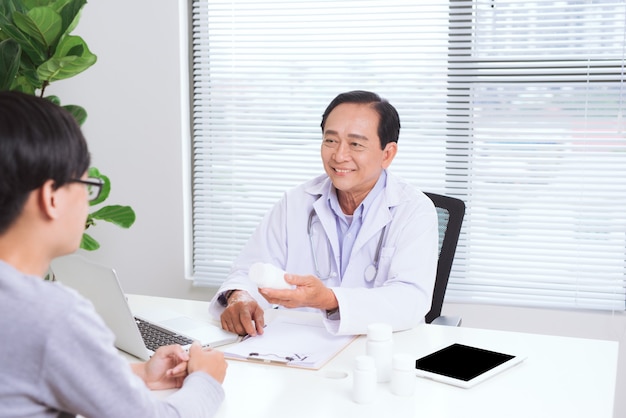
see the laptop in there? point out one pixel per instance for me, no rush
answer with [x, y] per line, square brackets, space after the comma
[101, 286]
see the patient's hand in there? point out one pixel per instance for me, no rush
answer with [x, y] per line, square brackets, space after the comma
[243, 315]
[207, 360]
[166, 369]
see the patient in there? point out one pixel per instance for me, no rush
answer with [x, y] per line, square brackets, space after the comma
[57, 357]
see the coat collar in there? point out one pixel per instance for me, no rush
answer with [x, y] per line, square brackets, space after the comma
[380, 212]
[321, 186]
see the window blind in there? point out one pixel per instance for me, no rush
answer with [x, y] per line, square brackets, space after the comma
[516, 107]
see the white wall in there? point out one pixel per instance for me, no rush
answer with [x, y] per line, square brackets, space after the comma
[133, 96]
[136, 133]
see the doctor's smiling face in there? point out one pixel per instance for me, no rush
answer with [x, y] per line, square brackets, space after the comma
[351, 152]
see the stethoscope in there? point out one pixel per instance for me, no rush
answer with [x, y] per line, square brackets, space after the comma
[371, 271]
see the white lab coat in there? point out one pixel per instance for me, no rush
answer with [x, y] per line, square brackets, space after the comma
[401, 293]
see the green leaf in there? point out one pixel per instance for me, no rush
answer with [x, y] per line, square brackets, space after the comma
[61, 68]
[74, 46]
[42, 24]
[94, 172]
[89, 243]
[8, 7]
[70, 13]
[54, 99]
[10, 52]
[106, 185]
[71, 58]
[29, 70]
[5, 9]
[35, 52]
[122, 216]
[23, 85]
[79, 113]
[31, 4]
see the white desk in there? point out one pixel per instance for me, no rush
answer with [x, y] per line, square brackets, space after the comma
[562, 377]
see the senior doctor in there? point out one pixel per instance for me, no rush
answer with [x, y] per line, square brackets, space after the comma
[357, 243]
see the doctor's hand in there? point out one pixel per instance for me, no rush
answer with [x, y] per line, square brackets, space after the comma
[309, 292]
[243, 315]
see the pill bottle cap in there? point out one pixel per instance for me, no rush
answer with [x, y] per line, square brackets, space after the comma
[379, 332]
[365, 363]
[403, 361]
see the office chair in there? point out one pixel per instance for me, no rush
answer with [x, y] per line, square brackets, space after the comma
[450, 213]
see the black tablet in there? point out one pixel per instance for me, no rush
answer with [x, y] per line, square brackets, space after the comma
[463, 365]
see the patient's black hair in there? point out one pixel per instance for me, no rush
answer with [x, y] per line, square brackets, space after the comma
[39, 141]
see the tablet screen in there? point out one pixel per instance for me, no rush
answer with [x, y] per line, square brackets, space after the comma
[461, 362]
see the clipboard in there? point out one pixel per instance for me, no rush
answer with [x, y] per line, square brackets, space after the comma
[291, 341]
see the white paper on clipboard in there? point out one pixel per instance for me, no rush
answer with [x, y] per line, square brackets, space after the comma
[291, 341]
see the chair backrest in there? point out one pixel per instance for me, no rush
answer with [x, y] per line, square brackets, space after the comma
[450, 213]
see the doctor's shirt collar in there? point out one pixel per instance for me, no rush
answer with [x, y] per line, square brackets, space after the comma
[362, 210]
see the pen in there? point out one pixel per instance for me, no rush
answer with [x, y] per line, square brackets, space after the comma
[268, 361]
[245, 337]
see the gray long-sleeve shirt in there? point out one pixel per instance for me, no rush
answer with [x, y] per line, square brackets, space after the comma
[57, 356]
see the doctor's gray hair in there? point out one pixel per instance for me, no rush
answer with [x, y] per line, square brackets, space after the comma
[389, 120]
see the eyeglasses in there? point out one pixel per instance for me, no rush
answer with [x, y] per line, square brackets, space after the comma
[94, 187]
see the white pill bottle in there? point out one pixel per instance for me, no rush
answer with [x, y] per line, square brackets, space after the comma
[379, 346]
[364, 384]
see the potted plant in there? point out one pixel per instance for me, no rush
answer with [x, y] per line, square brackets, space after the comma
[36, 49]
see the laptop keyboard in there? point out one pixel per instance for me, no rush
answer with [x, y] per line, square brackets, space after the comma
[155, 337]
